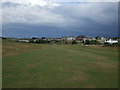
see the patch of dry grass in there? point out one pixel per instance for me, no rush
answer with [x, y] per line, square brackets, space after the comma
[11, 48]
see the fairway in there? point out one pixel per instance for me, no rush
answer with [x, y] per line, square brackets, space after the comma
[58, 66]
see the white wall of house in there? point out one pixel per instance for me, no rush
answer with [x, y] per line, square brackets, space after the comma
[24, 41]
[70, 38]
[111, 41]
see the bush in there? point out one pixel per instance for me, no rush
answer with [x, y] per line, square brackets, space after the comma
[95, 42]
[106, 44]
[87, 42]
[114, 44]
[74, 42]
[92, 42]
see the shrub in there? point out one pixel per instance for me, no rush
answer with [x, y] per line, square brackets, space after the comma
[74, 42]
[87, 42]
[106, 44]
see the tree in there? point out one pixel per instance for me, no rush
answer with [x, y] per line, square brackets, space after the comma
[87, 42]
[115, 44]
[34, 38]
[94, 42]
[98, 37]
[74, 42]
[43, 37]
[81, 36]
[106, 44]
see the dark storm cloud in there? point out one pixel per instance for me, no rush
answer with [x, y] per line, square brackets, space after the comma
[30, 30]
[91, 19]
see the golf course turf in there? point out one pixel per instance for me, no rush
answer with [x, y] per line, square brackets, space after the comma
[28, 65]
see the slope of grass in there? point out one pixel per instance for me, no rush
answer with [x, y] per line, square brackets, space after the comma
[58, 66]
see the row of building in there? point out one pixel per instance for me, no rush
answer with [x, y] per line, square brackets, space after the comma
[79, 39]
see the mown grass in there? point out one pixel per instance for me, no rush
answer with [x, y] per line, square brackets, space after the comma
[58, 66]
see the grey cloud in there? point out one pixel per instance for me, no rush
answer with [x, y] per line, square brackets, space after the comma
[81, 18]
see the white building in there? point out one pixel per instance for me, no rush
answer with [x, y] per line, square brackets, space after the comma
[24, 41]
[71, 38]
[111, 41]
[103, 39]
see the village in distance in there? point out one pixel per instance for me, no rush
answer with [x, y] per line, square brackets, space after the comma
[79, 40]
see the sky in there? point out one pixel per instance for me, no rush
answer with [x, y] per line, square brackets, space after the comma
[52, 18]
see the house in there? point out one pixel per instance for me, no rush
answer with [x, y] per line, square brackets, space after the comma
[110, 41]
[50, 39]
[102, 39]
[24, 40]
[71, 38]
[64, 39]
[57, 39]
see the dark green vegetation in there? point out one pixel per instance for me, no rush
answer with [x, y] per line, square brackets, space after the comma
[113, 45]
[92, 42]
[28, 65]
[74, 42]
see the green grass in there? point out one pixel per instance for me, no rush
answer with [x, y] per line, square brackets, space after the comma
[58, 66]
